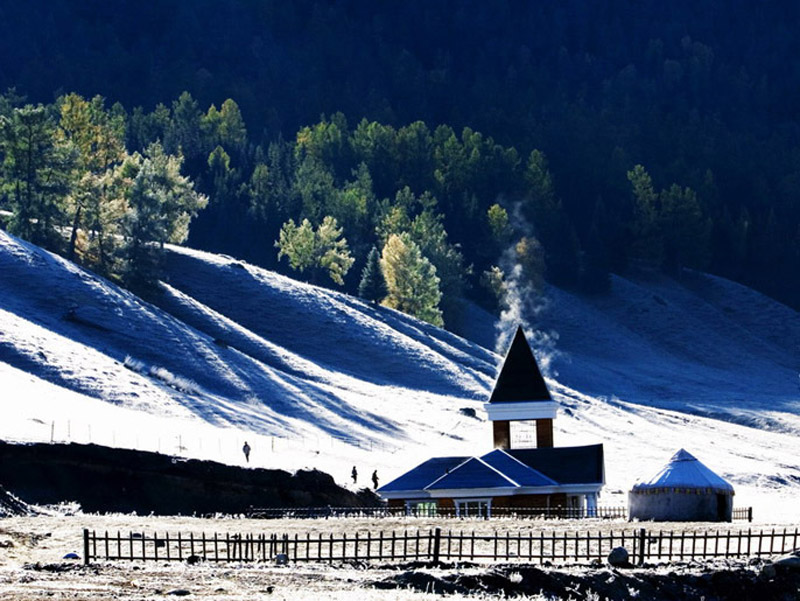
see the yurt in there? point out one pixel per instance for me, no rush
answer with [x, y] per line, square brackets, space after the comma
[684, 490]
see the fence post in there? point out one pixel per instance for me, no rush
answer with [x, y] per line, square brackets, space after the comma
[750, 514]
[86, 546]
[437, 540]
[642, 545]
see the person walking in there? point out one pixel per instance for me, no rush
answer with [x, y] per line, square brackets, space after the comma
[246, 451]
[354, 474]
[375, 479]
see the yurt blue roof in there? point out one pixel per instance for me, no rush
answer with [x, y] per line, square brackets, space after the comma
[684, 472]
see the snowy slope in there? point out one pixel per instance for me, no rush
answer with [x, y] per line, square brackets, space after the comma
[703, 345]
[229, 352]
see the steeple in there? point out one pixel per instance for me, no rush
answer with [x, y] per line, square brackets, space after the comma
[520, 379]
[520, 394]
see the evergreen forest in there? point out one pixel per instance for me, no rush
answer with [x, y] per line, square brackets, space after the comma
[413, 153]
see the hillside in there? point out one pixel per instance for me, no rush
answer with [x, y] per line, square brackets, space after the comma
[310, 377]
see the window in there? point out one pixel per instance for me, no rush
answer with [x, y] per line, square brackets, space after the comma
[424, 509]
[474, 508]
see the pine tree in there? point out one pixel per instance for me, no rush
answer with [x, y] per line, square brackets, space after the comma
[98, 139]
[530, 256]
[183, 132]
[37, 175]
[411, 280]
[161, 203]
[648, 243]
[334, 254]
[323, 250]
[499, 226]
[553, 226]
[686, 231]
[427, 231]
[373, 285]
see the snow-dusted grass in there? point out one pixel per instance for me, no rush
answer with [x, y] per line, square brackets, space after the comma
[177, 382]
[313, 378]
[45, 540]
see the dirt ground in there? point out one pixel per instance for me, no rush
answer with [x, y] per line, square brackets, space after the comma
[32, 566]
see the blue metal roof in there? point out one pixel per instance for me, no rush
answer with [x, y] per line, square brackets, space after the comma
[423, 475]
[509, 469]
[565, 465]
[519, 472]
[472, 474]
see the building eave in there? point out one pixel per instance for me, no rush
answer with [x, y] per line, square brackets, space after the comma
[521, 410]
[460, 493]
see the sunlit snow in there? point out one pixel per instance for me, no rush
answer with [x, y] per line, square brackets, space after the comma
[311, 377]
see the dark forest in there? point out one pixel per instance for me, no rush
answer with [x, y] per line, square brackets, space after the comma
[663, 135]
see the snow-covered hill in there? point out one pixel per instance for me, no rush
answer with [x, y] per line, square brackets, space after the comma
[229, 352]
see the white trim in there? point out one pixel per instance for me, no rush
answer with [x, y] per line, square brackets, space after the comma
[450, 471]
[521, 410]
[466, 493]
[498, 471]
[416, 495]
[462, 493]
[502, 475]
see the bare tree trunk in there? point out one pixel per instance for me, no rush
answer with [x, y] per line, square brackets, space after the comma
[74, 235]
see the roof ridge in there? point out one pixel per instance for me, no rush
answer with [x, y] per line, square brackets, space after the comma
[498, 471]
[463, 463]
[448, 472]
[522, 463]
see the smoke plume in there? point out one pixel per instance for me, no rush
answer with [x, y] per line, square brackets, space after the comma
[523, 302]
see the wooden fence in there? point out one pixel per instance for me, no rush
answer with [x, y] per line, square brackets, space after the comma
[620, 512]
[437, 512]
[436, 545]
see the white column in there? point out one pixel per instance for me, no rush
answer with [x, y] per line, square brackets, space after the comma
[591, 505]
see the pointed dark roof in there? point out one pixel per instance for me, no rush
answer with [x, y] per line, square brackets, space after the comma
[520, 378]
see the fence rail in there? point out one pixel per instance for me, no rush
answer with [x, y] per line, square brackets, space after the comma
[438, 512]
[743, 513]
[436, 545]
